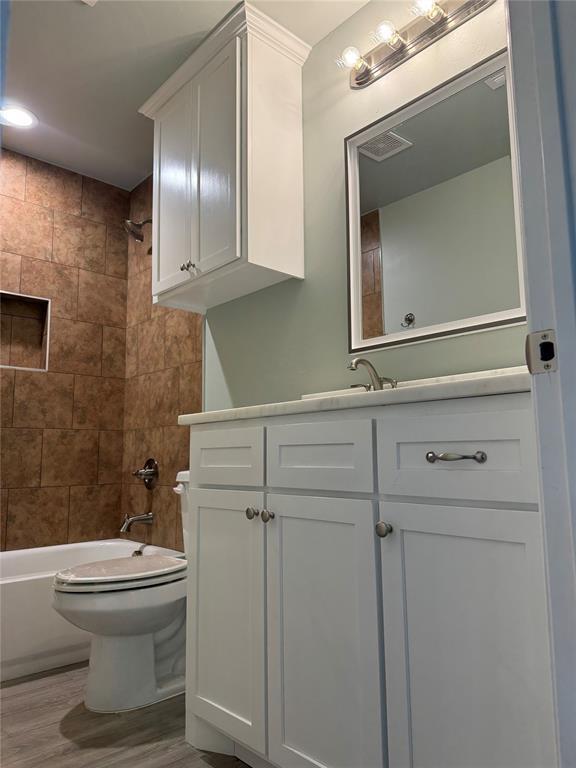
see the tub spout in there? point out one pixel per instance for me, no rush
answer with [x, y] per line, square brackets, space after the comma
[147, 519]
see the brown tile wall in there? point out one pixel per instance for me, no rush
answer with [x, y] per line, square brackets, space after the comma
[120, 369]
[372, 322]
[163, 379]
[61, 237]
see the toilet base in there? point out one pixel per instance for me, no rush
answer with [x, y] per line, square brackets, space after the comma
[163, 697]
[122, 675]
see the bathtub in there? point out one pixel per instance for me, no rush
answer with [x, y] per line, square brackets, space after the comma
[33, 637]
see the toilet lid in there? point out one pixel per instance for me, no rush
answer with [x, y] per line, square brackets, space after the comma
[121, 569]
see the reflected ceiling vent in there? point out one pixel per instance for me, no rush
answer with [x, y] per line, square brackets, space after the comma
[384, 146]
[496, 81]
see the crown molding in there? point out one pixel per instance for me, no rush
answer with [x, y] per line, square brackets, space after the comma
[266, 29]
[243, 19]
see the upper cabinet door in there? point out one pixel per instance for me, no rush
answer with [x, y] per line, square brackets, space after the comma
[215, 162]
[324, 681]
[465, 635]
[172, 243]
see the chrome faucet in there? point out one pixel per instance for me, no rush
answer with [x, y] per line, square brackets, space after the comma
[377, 380]
[147, 519]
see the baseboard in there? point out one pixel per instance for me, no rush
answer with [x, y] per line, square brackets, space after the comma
[250, 758]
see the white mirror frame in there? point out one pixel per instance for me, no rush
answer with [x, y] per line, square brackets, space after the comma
[467, 325]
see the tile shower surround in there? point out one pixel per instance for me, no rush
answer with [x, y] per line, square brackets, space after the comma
[120, 369]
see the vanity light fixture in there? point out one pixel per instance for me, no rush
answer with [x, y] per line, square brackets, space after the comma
[16, 116]
[429, 9]
[351, 58]
[387, 33]
[432, 20]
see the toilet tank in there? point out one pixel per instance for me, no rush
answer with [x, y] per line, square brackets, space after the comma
[181, 488]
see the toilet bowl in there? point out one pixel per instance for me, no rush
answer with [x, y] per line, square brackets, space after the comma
[135, 609]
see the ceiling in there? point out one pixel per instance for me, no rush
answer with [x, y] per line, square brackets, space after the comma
[465, 131]
[84, 71]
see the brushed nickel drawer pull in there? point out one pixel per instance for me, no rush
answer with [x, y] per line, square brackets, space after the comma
[267, 515]
[480, 456]
[251, 513]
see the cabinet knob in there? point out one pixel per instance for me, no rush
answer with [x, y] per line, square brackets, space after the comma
[187, 266]
[267, 515]
[383, 529]
[251, 513]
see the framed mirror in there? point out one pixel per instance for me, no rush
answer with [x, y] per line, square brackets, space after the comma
[433, 247]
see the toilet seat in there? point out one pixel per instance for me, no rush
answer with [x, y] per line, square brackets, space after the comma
[121, 573]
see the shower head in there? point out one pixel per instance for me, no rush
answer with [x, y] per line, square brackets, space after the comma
[134, 228]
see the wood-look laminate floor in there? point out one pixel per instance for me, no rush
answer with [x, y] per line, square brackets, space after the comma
[44, 724]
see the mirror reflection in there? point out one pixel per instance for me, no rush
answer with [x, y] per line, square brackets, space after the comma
[437, 224]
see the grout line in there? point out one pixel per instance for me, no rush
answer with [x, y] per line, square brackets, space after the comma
[98, 458]
[6, 518]
[68, 516]
[41, 456]
[14, 406]
[26, 158]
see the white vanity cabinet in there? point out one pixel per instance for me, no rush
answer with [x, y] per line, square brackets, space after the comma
[306, 616]
[226, 663]
[465, 638]
[324, 695]
[228, 199]
[431, 629]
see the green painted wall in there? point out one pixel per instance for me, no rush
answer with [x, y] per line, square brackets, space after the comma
[292, 338]
[425, 256]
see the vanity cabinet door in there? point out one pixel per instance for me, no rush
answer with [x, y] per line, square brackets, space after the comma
[324, 682]
[465, 633]
[226, 655]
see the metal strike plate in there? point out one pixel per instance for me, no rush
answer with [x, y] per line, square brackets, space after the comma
[541, 354]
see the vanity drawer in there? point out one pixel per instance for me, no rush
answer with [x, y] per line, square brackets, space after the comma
[508, 474]
[329, 456]
[228, 456]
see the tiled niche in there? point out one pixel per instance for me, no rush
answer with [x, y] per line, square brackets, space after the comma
[25, 329]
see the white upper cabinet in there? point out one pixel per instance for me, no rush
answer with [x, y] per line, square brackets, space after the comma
[217, 156]
[228, 197]
[173, 141]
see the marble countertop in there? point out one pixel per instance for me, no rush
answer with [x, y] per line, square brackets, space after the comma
[496, 382]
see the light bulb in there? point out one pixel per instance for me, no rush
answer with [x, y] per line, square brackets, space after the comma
[387, 33]
[351, 58]
[18, 117]
[430, 9]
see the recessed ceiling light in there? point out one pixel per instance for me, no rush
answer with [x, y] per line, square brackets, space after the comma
[17, 117]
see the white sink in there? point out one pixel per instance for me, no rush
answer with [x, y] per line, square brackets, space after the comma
[335, 393]
[434, 382]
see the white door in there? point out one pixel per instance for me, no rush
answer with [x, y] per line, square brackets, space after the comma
[542, 84]
[172, 243]
[217, 157]
[324, 676]
[466, 644]
[226, 658]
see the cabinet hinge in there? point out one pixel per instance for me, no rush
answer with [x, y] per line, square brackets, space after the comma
[541, 356]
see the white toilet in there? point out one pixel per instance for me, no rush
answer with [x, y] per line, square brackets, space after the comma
[135, 609]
